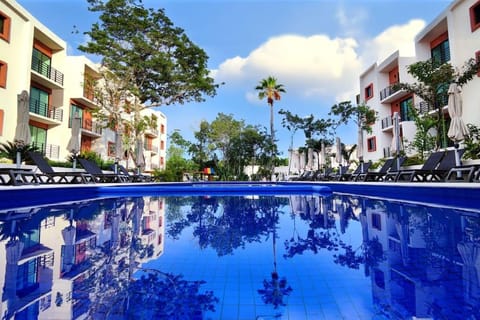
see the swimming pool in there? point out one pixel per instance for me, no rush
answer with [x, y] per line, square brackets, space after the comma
[298, 254]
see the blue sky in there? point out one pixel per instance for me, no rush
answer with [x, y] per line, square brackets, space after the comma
[316, 48]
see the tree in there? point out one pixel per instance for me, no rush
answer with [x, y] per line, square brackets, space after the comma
[433, 79]
[156, 61]
[270, 89]
[362, 115]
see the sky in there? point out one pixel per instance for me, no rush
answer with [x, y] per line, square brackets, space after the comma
[316, 48]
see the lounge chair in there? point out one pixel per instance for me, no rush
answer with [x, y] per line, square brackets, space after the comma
[355, 174]
[435, 168]
[131, 177]
[16, 177]
[421, 174]
[100, 176]
[394, 170]
[342, 173]
[323, 175]
[49, 175]
[376, 175]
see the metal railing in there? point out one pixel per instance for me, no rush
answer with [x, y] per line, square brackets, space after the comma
[45, 110]
[388, 91]
[425, 107]
[387, 122]
[46, 70]
[91, 126]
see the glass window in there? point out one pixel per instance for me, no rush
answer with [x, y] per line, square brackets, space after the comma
[441, 53]
[75, 111]
[4, 26]
[475, 16]
[404, 105]
[371, 144]
[376, 221]
[41, 63]
[39, 101]
[369, 91]
[39, 138]
[3, 74]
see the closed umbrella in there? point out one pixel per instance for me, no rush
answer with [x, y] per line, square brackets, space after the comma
[396, 146]
[22, 131]
[457, 130]
[322, 157]
[360, 147]
[118, 148]
[74, 143]
[338, 154]
[69, 237]
[139, 157]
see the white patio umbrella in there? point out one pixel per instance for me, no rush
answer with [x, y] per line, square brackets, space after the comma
[360, 147]
[69, 237]
[338, 153]
[396, 146]
[457, 130]
[139, 157]
[118, 148]
[23, 136]
[310, 158]
[74, 143]
[322, 157]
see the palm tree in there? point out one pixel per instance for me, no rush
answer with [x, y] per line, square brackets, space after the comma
[270, 89]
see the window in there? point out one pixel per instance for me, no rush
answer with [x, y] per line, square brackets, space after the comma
[441, 52]
[39, 101]
[376, 221]
[162, 128]
[372, 144]
[475, 16]
[41, 63]
[404, 105]
[39, 137]
[111, 149]
[3, 74]
[477, 56]
[369, 92]
[4, 27]
[379, 278]
[162, 145]
[75, 111]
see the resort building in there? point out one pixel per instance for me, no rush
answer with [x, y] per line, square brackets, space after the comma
[454, 37]
[33, 59]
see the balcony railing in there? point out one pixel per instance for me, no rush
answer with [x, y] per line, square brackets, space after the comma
[45, 110]
[46, 70]
[386, 152]
[387, 122]
[91, 126]
[51, 151]
[425, 107]
[388, 91]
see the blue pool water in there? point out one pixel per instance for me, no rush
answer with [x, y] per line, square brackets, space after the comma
[291, 254]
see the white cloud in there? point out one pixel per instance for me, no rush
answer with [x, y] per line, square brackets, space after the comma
[397, 37]
[317, 65]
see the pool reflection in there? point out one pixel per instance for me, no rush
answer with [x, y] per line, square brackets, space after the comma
[106, 259]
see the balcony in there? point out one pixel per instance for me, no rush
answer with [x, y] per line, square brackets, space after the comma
[46, 74]
[91, 128]
[391, 93]
[44, 113]
[51, 151]
[152, 149]
[153, 133]
[425, 107]
[387, 122]
[87, 99]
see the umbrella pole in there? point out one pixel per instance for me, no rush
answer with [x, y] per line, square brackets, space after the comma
[457, 160]
[18, 159]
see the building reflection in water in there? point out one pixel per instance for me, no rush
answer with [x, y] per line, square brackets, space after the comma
[70, 261]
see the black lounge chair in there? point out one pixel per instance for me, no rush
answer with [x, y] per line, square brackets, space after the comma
[435, 168]
[342, 174]
[394, 170]
[376, 175]
[361, 169]
[421, 174]
[18, 176]
[131, 177]
[323, 175]
[100, 176]
[49, 175]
